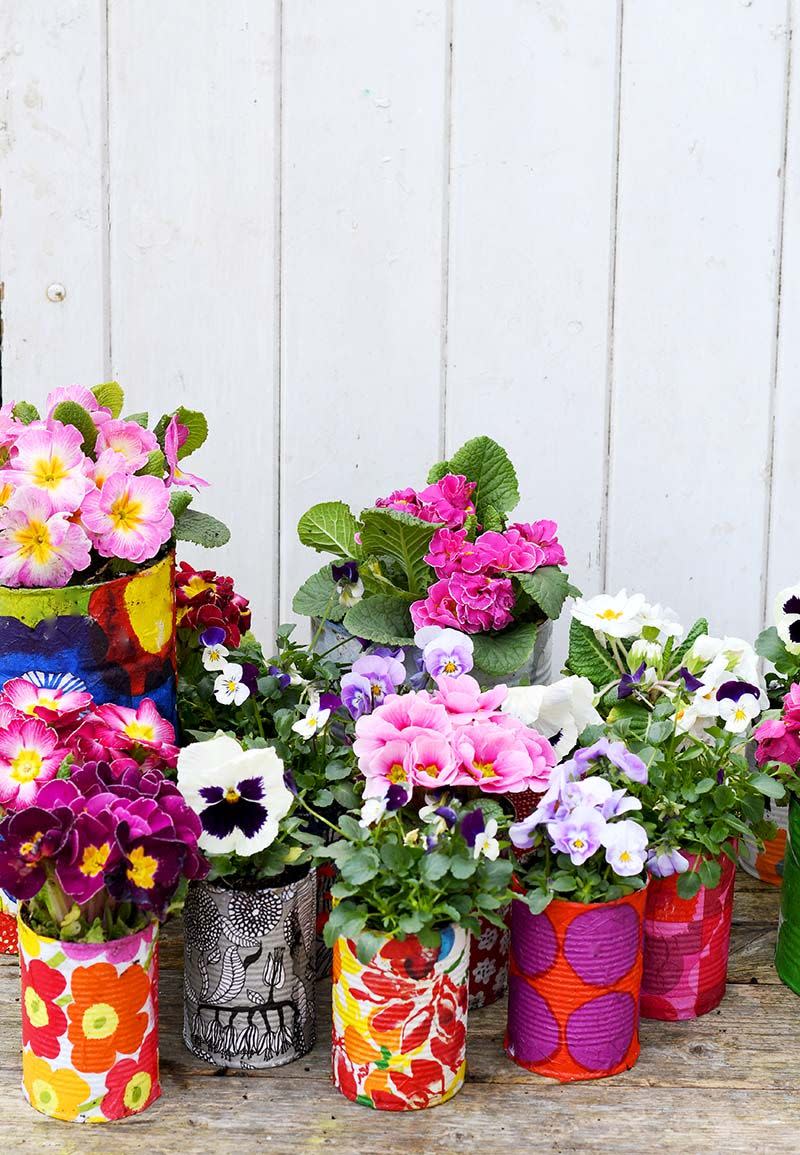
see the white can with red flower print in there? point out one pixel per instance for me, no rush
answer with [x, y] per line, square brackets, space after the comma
[400, 1021]
[89, 1025]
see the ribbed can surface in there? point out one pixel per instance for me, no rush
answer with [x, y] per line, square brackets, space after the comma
[488, 963]
[573, 988]
[787, 954]
[8, 924]
[400, 1022]
[767, 864]
[686, 943]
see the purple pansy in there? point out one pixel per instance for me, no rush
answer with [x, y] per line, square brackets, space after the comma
[213, 636]
[472, 824]
[689, 680]
[356, 695]
[735, 690]
[346, 572]
[628, 682]
[617, 753]
[280, 677]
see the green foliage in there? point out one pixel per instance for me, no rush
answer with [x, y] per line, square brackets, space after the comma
[142, 419]
[381, 618]
[201, 528]
[588, 657]
[318, 597]
[24, 412]
[548, 587]
[487, 464]
[155, 466]
[110, 395]
[500, 655]
[438, 471]
[699, 628]
[194, 421]
[71, 413]
[403, 537]
[179, 501]
[330, 528]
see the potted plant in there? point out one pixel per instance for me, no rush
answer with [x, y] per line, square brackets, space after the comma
[91, 505]
[96, 860]
[453, 737]
[577, 923]
[250, 927]
[412, 885]
[685, 706]
[445, 555]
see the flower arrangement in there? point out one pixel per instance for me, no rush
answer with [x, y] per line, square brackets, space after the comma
[686, 706]
[443, 556]
[207, 601]
[780, 645]
[778, 739]
[86, 494]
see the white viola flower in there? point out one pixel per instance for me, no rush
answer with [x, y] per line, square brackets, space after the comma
[560, 712]
[738, 715]
[229, 689]
[618, 616]
[626, 846]
[372, 811]
[734, 657]
[485, 843]
[663, 619]
[412, 838]
[787, 618]
[295, 677]
[214, 658]
[314, 720]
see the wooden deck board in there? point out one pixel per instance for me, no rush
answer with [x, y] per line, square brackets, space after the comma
[723, 1083]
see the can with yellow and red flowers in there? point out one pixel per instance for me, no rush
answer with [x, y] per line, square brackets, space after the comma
[8, 924]
[89, 1025]
[400, 1021]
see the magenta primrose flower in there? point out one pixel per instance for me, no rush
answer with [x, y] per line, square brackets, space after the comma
[30, 755]
[59, 705]
[174, 439]
[129, 517]
[473, 603]
[111, 732]
[128, 440]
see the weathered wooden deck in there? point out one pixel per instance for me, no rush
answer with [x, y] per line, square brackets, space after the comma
[728, 1082]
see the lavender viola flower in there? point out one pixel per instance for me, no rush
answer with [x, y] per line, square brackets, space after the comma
[628, 682]
[665, 863]
[579, 835]
[445, 652]
[356, 695]
[382, 674]
[618, 755]
[626, 846]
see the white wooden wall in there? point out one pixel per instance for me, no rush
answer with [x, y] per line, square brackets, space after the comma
[358, 233]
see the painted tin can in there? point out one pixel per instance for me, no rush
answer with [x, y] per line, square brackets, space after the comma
[400, 1022]
[767, 864]
[787, 954]
[249, 973]
[8, 924]
[573, 994]
[686, 944]
[115, 639]
[488, 963]
[89, 1025]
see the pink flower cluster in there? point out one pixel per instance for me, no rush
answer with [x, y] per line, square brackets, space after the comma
[456, 736]
[448, 501]
[42, 724]
[471, 593]
[779, 738]
[59, 504]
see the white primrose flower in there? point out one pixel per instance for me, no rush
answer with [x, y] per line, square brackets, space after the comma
[560, 712]
[618, 616]
[485, 843]
[371, 812]
[787, 618]
[663, 619]
[214, 657]
[738, 715]
[314, 720]
[229, 689]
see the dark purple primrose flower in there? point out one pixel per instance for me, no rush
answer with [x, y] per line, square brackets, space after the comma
[250, 676]
[90, 852]
[282, 679]
[689, 680]
[629, 681]
[330, 702]
[472, 824]
[346, 572]
[30, 838]
[213, 636]
[736, 690]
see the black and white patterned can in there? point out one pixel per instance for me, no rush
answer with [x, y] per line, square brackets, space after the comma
[249, 973]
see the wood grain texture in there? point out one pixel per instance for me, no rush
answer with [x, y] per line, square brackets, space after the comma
[725, 1082]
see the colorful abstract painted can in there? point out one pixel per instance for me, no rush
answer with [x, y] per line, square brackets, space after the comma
[326, 876]
[787, 954]
[89, 1025]
[767, 864]
[488, 964]
[686, 943]
[400, 1022]
[8, 924]
[115, 639]
[573, 987]
[249, 973]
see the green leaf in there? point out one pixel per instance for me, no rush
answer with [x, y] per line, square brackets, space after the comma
[710, 873]
[381, 619]
[317, 597]
[438, 471]
[563, 884]
[155, 465]
[142, 419]
[770, 646]
[25, 412]
[548, 586]
[699, 628]
[329, 528]
[201, 528]
[688, 884]
[180, 500]
[71, 413]
[766, 785]
[463, 867]
[194, 421]
[487, 464]
[537, 900]
[434, 866]
[360, 867]
[500, 655]
[401, 536]
[588, 657]
[110, 395]
[493, 519]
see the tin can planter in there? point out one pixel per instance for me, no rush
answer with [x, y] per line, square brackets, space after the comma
[326, 876]
[89, 1025]
[573, 993]
[249, 973]
[488, 964]
[115, 639]
[787, 954]
[686, 943]
[8, 924]
[400, 1022]
[767, 864]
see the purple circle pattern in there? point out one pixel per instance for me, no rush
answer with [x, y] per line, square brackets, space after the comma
[533, 1029]
[602, 945]
[535, 942]
[600, 1032]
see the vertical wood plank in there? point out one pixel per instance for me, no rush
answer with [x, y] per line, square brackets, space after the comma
[364, 98]
[193, 118]
[784, 559]
[532, 190]
[699, 198]
[53, 223]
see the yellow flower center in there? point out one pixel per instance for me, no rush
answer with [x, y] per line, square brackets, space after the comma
[94, 859]
[137, 1091]
[99, 1021]
[739, 715]
[197, 585]
[34, 541]
[232, 794]
[49, 472]
[48, 703]
[397, 773]
[35, 1009]
[432, 770]
[140, 731]
[610, 615]
[578, 843]
[142, 869]
[44, 1096]
[26, 766]
[29, 849]
[485, 769]
[233, 686]
[449, 667]
[5, 492]
[126, 513]
[376, 688]
[624, 856]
